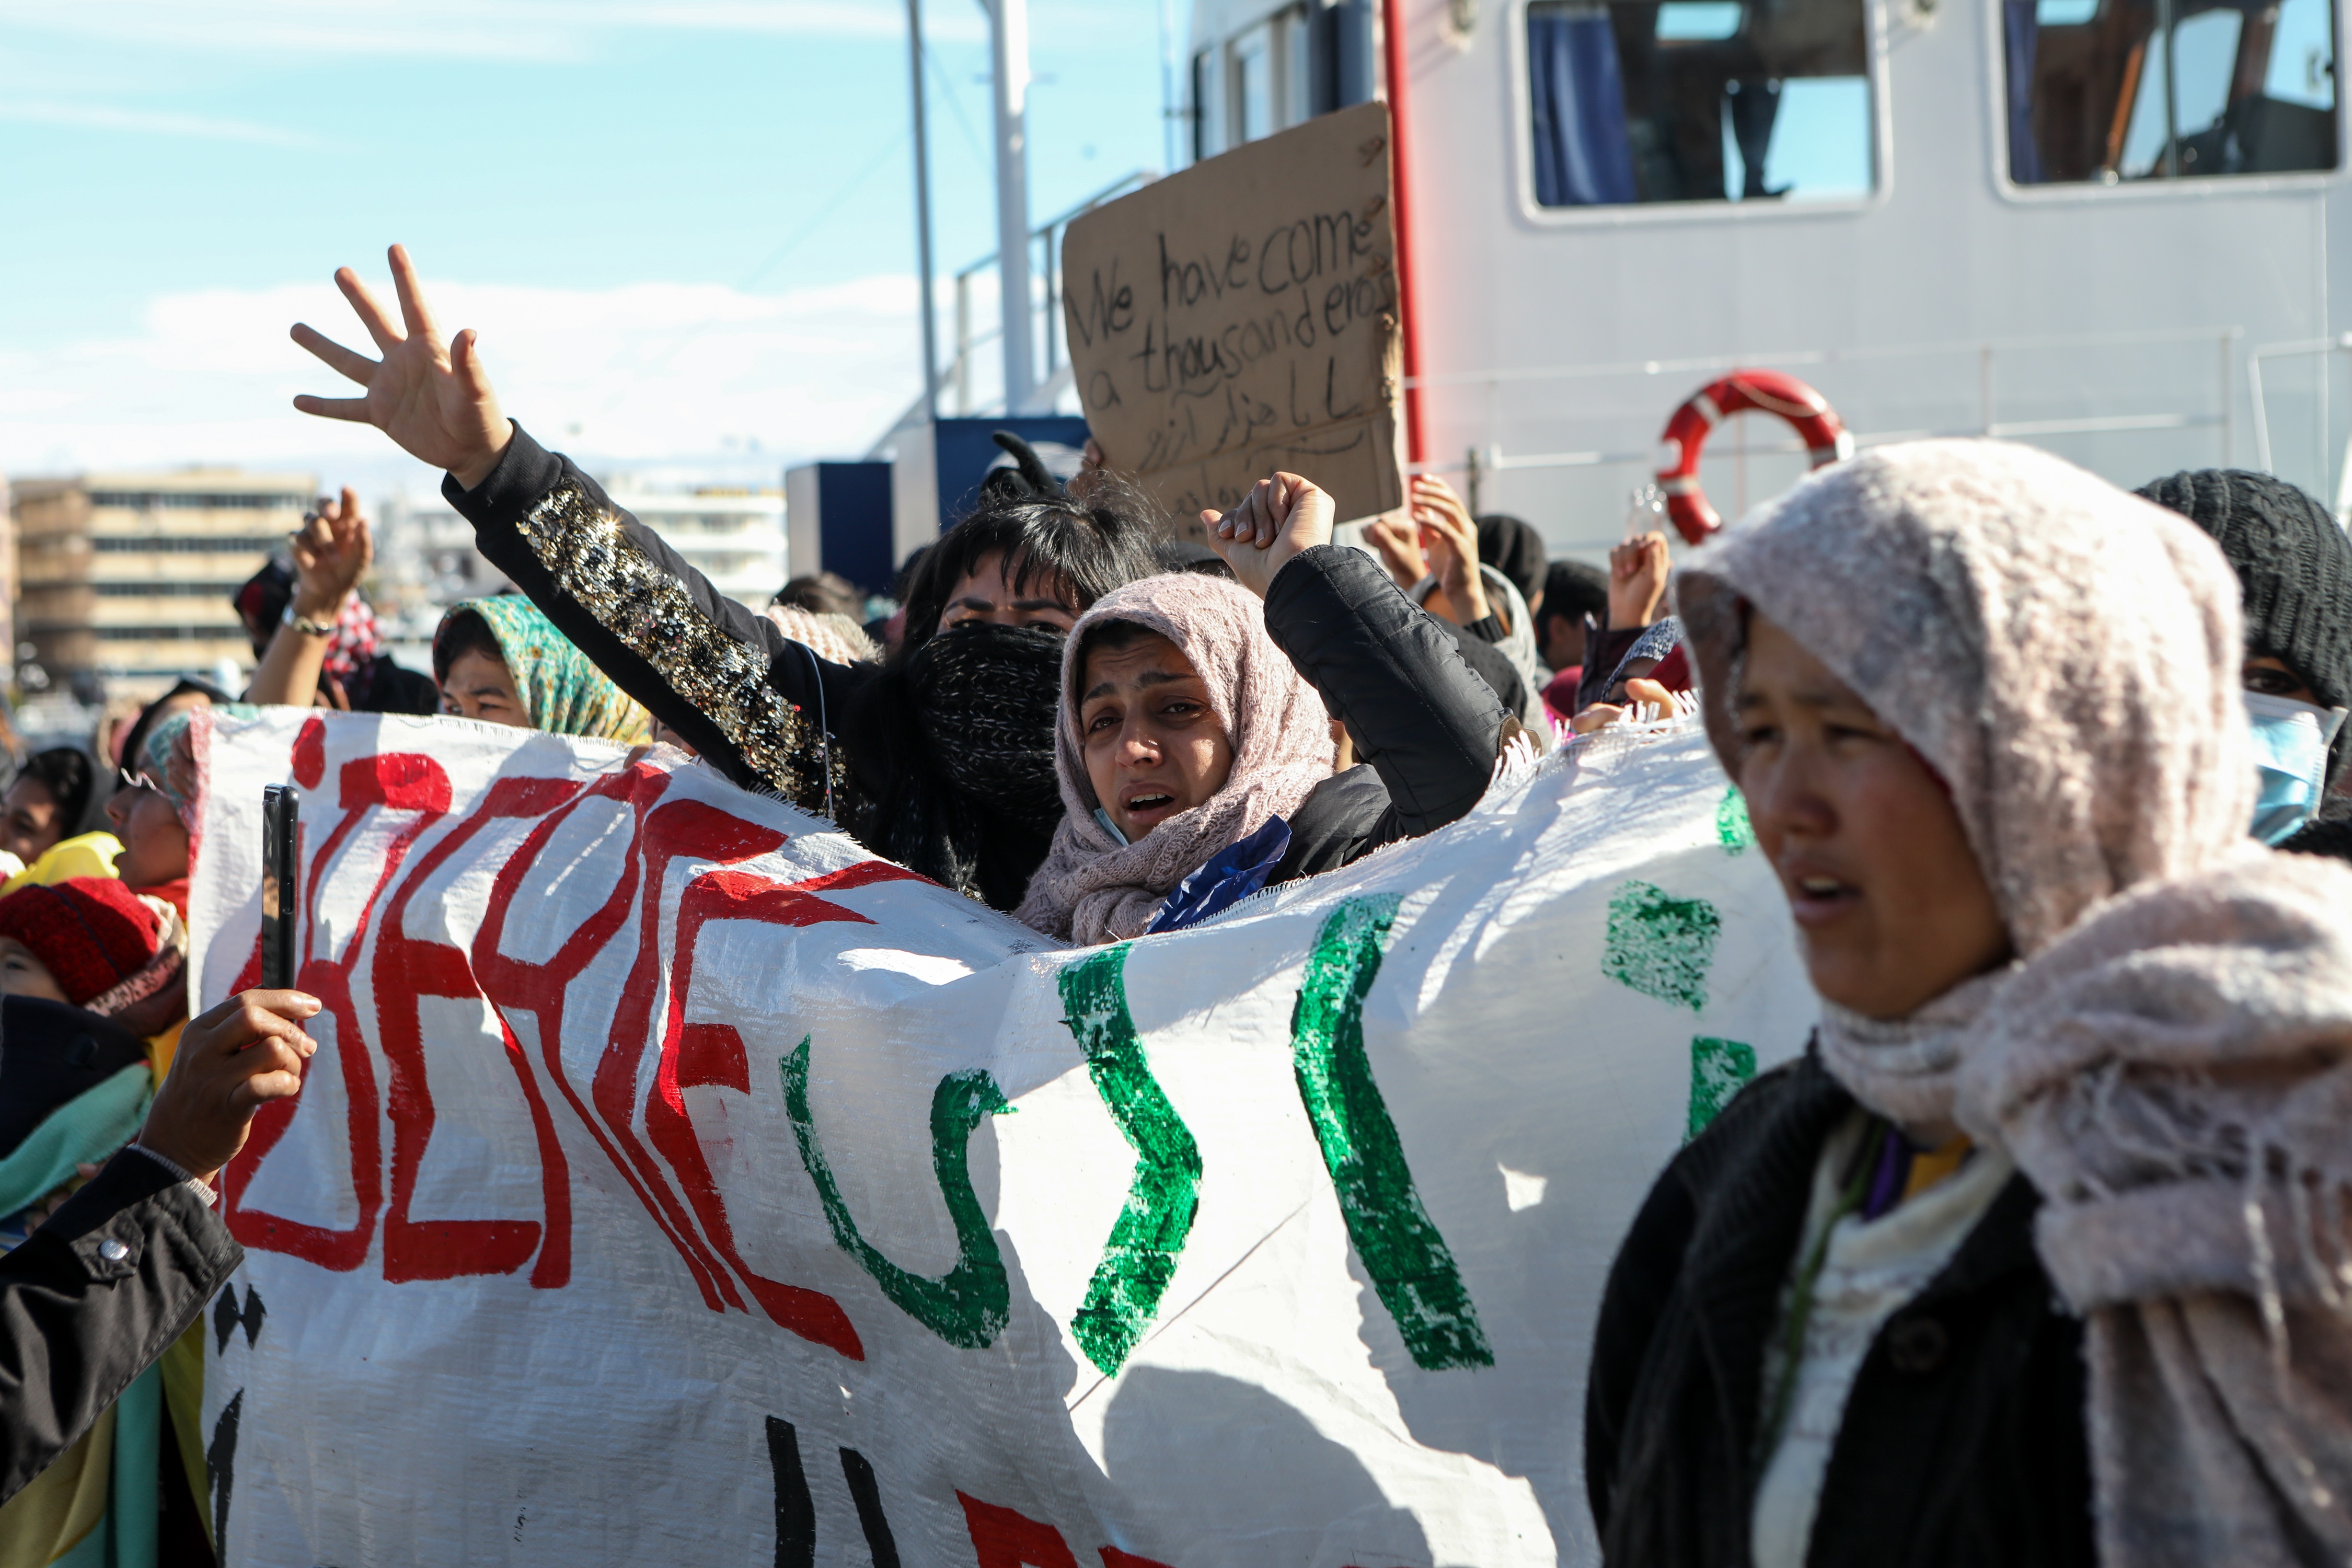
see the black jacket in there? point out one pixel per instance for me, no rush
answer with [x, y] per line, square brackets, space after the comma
[1963, 1441]
[1480, 645]
[1427, 727]
[771, 715]
[92, 1297]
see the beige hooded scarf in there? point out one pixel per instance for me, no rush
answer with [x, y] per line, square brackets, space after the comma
[1091, 887]
[2169, 1059]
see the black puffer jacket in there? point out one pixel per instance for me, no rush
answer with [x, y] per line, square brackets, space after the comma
[1963, 1441]
[1428, 729]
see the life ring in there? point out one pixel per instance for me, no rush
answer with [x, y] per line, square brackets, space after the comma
[1762, 392]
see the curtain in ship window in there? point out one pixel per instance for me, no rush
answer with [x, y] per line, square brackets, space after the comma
[1582, 155]
[2022, 31]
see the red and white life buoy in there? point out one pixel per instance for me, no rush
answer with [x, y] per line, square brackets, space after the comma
[1762, 392]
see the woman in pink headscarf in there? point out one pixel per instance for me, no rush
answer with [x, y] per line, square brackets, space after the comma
[1195, 745]
[2037, 1255]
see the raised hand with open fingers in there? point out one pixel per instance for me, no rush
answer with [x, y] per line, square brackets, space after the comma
[431, 397]
[1451, 539]
[1280, 517]
[1397, 542]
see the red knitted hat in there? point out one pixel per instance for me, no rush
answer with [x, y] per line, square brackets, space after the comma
[91, 932]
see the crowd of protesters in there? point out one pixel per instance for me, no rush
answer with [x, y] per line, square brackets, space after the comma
[2037, 1253]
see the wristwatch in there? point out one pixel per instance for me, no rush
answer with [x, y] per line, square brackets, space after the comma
[305, 625]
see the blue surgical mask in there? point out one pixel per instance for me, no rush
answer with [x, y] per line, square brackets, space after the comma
[2291, 741]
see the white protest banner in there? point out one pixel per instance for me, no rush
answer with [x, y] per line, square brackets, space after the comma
[677, 1184]
[1241, 316]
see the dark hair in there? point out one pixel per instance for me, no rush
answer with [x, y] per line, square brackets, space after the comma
[1512, 546]
[901, 583]
[261, 599]
[1026, 478]
[1191, 555]
[823, 594]
[68, 776]
[136, 738]
[1573, 589]
[1081, 550]
[461, 634]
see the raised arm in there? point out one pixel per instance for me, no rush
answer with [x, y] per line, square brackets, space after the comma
[1421, 716]
[754, 703]
[331, 554]
[1449, 537]
[757, 704]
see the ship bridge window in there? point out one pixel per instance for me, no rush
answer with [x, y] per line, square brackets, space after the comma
[1307, 58]
[1698, 100]
[1692, 21]
[2117, 90]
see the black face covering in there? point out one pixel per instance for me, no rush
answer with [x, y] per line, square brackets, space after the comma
[972, 797]
[986, 696]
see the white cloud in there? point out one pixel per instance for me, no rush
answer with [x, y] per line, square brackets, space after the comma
[103, 117]
[649, 372]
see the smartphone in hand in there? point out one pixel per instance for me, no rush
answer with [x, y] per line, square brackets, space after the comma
[282, 877]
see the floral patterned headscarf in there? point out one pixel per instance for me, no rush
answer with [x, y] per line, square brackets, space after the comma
[561, 690]
[155, 757]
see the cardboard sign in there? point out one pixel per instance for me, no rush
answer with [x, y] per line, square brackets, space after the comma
[1242, 317]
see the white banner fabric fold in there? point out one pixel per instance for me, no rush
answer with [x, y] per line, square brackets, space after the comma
[677, 1183]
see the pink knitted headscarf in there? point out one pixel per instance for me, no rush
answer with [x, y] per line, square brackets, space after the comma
[2170, 1060]
[2062, 654]
[1091, 889]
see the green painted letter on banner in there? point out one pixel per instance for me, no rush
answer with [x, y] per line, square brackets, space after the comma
[1660, 945]
[1147, 1238]
[1732, 829]
[970, 1306]
[1720, 1070]
[1402, 1251]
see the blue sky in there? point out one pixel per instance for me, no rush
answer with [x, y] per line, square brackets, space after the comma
[679, 224]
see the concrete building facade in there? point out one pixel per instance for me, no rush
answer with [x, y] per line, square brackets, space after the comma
[734, 537]
[425, 562]
[125, 578]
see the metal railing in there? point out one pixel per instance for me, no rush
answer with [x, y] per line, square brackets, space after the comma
[957, 376]
[1488, 459]
[2262, 410]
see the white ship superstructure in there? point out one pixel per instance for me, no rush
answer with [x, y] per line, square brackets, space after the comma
[2104, 226]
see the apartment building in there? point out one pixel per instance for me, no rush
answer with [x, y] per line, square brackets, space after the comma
[125, 578]
[425, 562]
[734, 537]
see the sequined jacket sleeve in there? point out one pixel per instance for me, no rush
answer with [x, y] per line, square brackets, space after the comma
[746, 697]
